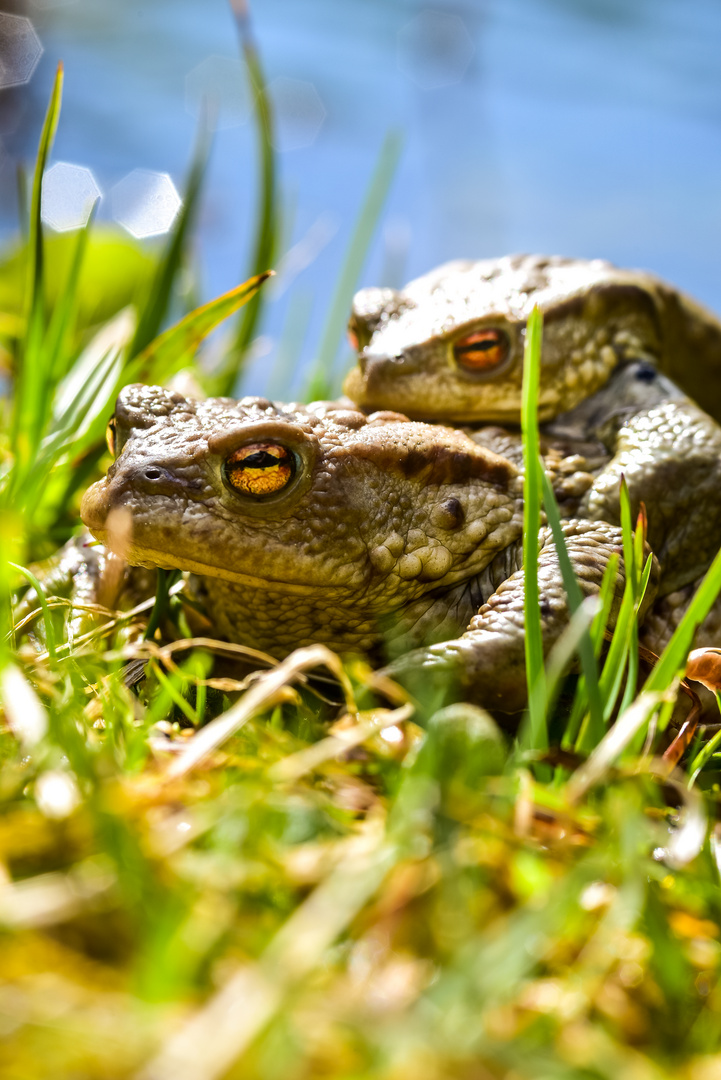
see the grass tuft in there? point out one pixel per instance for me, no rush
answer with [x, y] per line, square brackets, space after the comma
[532, 497]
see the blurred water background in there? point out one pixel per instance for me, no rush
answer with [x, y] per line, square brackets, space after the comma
[581, 127]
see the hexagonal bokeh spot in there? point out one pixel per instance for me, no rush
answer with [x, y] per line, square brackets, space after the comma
[219, 81]
[299, 113]
[20, 50]
[69, 192]
[434, 49]
[145, 203]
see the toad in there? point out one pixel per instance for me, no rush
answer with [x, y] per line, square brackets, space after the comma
[617, 345]
[449, 346]
[321, 524]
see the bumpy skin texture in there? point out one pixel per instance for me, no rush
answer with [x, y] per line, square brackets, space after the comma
[488, 661]
[608, 335]
[669, 452]
[389, 530]
[596, 315]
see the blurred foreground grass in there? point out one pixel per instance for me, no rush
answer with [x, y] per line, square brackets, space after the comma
[233, 870]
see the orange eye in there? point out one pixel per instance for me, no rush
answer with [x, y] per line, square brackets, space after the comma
[483, 350]
[260, 469]
[110, 435]
[352, 333]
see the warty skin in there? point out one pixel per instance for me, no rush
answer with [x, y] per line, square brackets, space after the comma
[596, 316]
[388, 530]
[612, 337]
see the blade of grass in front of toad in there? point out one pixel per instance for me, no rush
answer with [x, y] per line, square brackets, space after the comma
[623, 635]
[32, 388]
[598, 633]
[322, 382]
[575, 599]
[674, 656]
[265, 242]
[43, 604]
[577, 735]
[641, 576]
[623, 651]
[536, 735]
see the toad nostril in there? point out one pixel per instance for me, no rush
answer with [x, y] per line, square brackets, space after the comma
[151, 473]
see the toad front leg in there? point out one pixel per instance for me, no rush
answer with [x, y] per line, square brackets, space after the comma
[87, 576]
[669, 453]
[487, 664]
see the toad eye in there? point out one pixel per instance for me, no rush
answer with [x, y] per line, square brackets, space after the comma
[483, 350]
[352, 332]
[110, 436]
[260, 469]
[359, 332]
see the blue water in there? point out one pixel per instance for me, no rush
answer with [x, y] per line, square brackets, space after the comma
[583, 127]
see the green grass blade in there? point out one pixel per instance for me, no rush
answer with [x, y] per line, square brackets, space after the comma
[322, 376]
[85, 397]
[165, 581]
[673, 657]
[703, 756]
[640, 582]
[31, 390]
[597, 632]
[629, 551]
[35, 270]
[632, 676]
[152, 316]
[91, 398]
[575, 599]
[43, 603]
[265, 243]
[607, 593]
[66, 306]
[623, 650]
[532, 486]
[163, 355]
[615, 666]
[569, 643]
[632, 679]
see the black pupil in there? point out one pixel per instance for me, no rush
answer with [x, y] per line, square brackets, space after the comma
[479, 346]
[261, 459]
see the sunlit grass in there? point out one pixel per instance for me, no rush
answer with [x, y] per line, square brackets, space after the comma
[532, 496]
[226, 869]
